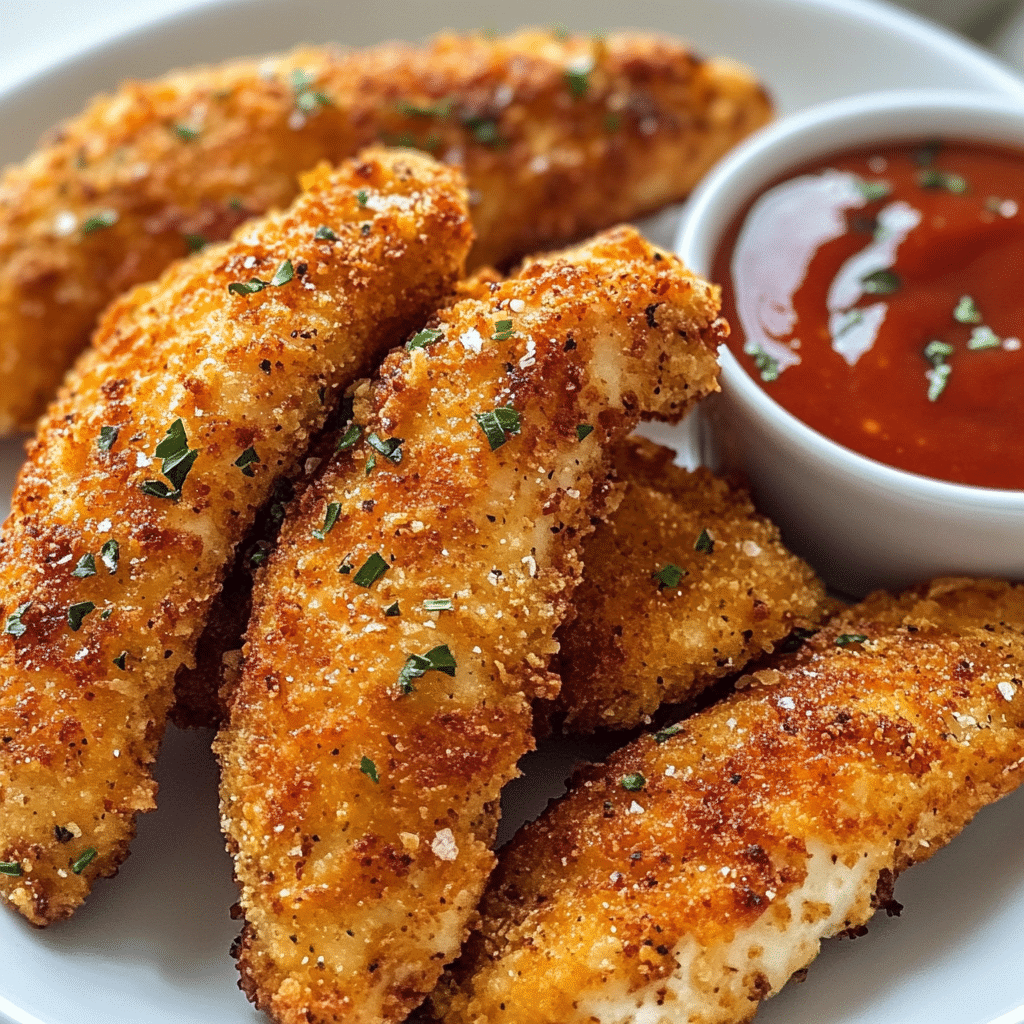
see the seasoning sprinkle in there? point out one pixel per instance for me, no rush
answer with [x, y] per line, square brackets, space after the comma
[704, 544]
[194, 243]
[349, 438]
[503, 330]
[390, 448]
[177, 461]
[873, 191]
[424, 338]
[84, 860]
[330, 518]
[119, 661]
[937, 352]
[245, 461]
[367, 767]
[325, 234]
[77, 613]
[392, 610]
[14, 624]
[10, 867]
[667, 733]
[498, 423]
[583, 430]
[881, 282]
[108, 435]
[850, 638]
[101, 220]
[186, 133]
[669, 576]
[633, 782]
[371, 570]
[438, 604]
[795, 640]
[437, 659]
[86, 566]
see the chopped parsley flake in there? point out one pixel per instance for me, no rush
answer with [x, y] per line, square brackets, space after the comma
[577, 78]
[983, 337]
[307, 99]
[704, 544]
[86, 566]
[345, 568]
[186, 132]
[283, 274]
[106, 613]
[10, 867]
[497, 423]
[371, 570]
[330, 518]
[194, 243]
[667, 733]
[441, 108]
[484, 130]
[108, 435]
[612, 122]
[84, 860]
[392, 610]
[390, 448]
[873, 191]
[881, 282]
[178, 460]
[932, 177]
[438, 659]
[349, 438]
[362, 197]
[583, 430]
[245, 460]
[937, 352]
[101, 220]
[795, 640]
[78, 612]
[119, 661]
[14, 624]
[669, 576]
[424, 338]
[766, 364]
[438, 604]
[257, 558]
[367, 767]
[371, 462]
[966, 311]
[503, 330]
[633, 782]
[850, 638]
[938, 378]
[325, 234]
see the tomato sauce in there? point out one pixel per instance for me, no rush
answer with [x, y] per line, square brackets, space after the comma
[879, 297]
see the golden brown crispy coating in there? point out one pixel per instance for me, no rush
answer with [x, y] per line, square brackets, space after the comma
[637, 642]
[687, 879]
[113, 554]
[362, 810]
[558, 136]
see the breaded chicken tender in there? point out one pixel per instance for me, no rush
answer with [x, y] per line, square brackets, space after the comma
[559, 136]
[201, 391]
[684, 584]
[406, 619]
[694, 873]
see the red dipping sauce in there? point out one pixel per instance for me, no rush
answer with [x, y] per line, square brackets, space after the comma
[879, 297]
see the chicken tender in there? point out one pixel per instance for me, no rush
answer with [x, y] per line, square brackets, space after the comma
[406, 619]
[684, 584]
[201, 391]
[694, 873]
[559, 136]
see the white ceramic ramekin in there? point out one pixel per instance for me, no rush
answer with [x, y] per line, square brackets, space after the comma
[861, 524]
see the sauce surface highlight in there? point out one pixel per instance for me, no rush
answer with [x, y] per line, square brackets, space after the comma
[879, 297]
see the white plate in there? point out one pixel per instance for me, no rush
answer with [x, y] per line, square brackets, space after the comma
[151, 946]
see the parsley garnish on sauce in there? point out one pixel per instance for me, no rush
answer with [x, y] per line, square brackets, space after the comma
[873, 191]
[330, 518]
[497, 423]
[983, 337]
[966, 311]
[932, 177]
[371, 570]
[178, 460]
[438, 659]
[938, 378]
[880, 282]
[633, 782]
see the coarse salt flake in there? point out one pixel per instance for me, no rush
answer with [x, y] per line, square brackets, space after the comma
[104, 526]
[750, 549]
[142, 460]
[635, 808]
[1006, 689]
[788, 703]
[444, 845]
[471, 340]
